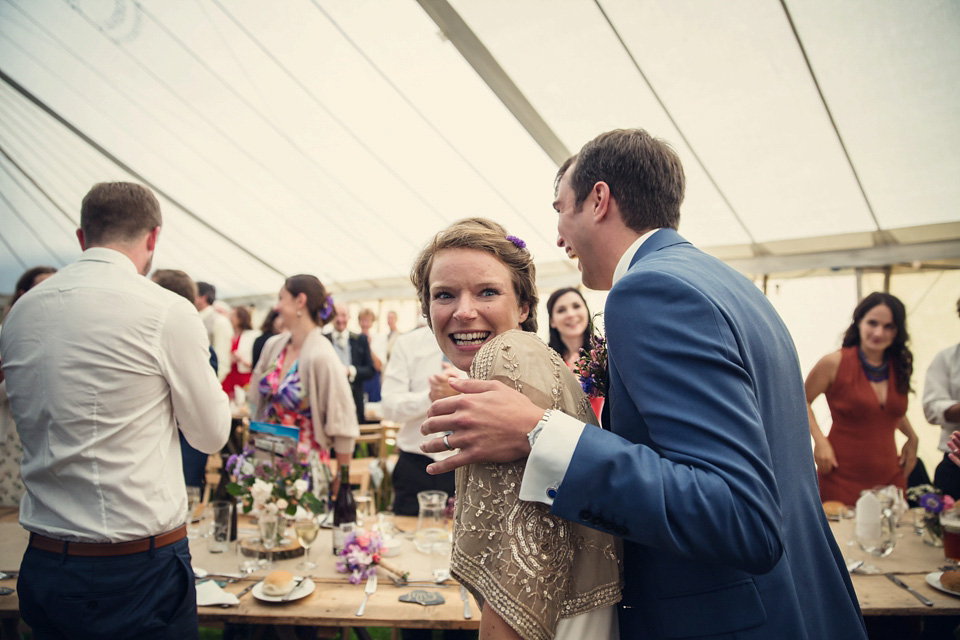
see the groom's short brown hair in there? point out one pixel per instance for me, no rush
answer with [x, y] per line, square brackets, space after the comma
[644, 175]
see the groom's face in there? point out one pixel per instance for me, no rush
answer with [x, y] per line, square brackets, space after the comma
[572, 233]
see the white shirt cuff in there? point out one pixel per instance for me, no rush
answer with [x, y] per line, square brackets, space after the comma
[351, 373]
[550, 457]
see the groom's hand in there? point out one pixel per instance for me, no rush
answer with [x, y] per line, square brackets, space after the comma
[488, 422]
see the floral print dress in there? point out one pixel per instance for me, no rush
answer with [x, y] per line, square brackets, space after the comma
[287, 402]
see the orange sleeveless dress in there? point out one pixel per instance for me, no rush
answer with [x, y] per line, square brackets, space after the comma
[862, 434]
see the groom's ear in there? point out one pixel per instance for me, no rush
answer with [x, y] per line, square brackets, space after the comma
[601, 199]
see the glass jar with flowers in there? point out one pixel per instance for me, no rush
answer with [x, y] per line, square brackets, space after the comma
[280, 484]
[933, 502]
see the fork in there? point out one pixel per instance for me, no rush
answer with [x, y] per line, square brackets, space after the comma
[367, 592]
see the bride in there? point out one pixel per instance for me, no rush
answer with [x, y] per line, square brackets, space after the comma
[536, 576]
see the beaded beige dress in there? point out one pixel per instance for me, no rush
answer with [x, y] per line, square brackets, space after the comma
[532, 568]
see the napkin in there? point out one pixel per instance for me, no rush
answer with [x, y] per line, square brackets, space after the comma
[209, 593]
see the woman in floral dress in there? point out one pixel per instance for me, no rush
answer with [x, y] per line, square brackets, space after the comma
[299, 380]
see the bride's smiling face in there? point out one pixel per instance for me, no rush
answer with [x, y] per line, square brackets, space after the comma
[472, 299]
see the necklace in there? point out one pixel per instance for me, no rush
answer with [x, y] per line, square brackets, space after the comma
[874, 373]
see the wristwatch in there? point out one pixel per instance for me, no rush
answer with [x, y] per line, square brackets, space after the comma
[535, 432]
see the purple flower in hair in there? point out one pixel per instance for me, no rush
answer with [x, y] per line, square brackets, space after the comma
[517, 241]
[327, 308]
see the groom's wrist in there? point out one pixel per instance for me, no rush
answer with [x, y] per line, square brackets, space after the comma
[534, 433]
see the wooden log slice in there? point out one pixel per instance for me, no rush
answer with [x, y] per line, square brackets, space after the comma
[252, 548]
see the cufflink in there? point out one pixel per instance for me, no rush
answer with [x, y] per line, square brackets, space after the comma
[552, 492]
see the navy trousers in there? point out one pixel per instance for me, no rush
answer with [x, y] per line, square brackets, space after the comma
[142, 595]
[410, 477]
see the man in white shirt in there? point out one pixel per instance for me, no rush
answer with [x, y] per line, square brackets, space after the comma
[415, 376]
[941, 406]
[102, 365]
[219, 329]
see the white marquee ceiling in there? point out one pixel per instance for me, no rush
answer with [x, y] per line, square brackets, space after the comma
[334, 137]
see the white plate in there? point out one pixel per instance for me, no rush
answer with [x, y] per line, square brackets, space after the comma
[303, 591]
[933, 579]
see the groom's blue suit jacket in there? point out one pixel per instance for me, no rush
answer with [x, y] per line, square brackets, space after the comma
[707, 473]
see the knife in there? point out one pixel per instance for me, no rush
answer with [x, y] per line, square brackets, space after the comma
[289, 596]
[466, 602]
[916, 594]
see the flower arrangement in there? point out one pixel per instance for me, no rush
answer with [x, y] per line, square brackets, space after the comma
[591, 367]
[360, 554]
[934, 502]
[273, 487]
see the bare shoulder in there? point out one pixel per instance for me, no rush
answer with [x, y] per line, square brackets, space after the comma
[830, 362]
[822, 374]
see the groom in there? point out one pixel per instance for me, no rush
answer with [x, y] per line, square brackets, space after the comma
[707, 471]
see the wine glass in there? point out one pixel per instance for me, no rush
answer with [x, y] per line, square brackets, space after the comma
[307, 529]
[268, 534]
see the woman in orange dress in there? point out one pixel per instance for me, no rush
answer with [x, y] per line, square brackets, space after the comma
[866, 384]
[571, 327]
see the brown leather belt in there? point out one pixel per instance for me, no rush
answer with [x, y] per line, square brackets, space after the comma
[104, 549]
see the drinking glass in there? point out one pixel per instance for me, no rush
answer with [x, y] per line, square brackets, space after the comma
[246, 564]
[440, 560]
[221, 515]
[193, 501]
[307, 529]
[874, 529]
[268, 534]
[950, 529]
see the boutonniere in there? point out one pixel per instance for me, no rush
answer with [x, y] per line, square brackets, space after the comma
[591, 367]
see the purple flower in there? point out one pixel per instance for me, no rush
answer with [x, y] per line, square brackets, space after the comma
[284, 467]
[931, 502]
[520, 244]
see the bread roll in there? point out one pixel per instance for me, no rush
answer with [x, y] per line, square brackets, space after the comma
[278, 583]
[951, 579]
[833, 509]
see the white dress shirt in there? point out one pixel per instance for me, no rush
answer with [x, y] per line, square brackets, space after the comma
[341, 344]
[220, 334]
[405, 394]
[100, 364]
[941, 390]
[553, 450]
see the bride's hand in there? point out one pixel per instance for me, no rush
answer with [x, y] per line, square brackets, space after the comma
[440, 383]
[477, 426]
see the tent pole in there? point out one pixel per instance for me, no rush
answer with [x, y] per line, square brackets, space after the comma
[887, 271]
[859, 274]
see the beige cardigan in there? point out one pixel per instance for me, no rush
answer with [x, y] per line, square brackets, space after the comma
[332, 410]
